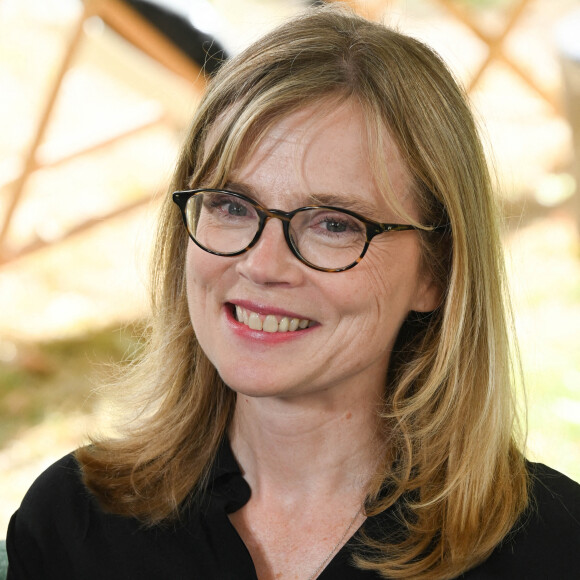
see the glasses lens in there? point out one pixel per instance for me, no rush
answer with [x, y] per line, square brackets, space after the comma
[328, 238]
[221, 222]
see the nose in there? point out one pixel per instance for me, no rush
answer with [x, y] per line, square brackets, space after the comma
[270, 261]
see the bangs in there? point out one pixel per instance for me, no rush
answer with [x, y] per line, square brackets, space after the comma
[231, 140]
[239, 129]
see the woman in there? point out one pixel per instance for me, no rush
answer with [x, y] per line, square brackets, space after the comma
[327, 384]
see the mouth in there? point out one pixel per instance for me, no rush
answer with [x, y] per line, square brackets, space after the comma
[270, 322]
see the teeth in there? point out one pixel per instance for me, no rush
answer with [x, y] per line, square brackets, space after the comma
[283, 325]
[255, 323]
[270, 323]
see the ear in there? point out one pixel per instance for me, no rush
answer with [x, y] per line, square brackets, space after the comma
[428, 295]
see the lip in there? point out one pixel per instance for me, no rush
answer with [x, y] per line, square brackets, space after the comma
[245, 331]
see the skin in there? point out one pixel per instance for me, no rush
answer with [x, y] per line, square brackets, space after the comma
[305, 426]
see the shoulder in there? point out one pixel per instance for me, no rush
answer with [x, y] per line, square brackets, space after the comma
[545, 542]
[55, 512]
[60, 532]
[64, 472]
[553, 515]
[57, 496]
[553, 493]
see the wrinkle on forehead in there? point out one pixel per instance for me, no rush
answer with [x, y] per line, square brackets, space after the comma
[304, 130]
[384, 169]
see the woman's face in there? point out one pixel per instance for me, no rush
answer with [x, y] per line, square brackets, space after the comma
[353, 316]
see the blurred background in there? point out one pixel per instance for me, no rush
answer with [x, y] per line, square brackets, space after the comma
[90, 126]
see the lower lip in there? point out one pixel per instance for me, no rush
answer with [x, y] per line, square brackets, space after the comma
[246, 332]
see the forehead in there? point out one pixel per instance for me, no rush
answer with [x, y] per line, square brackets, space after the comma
[324, 150]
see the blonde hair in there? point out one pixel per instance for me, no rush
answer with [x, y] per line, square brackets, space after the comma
[453, 461]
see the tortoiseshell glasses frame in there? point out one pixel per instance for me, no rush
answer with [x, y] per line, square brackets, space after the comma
[325, 238]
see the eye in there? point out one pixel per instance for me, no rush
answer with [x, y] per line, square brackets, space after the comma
[329, 228]
[335, 225]
[328, 222]
[229, 207]
[237, 209]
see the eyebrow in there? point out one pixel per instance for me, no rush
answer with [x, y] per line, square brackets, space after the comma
[340, 201]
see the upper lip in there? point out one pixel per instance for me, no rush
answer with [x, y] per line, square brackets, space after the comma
[261, 308]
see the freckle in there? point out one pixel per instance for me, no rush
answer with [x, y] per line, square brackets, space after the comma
[349, 415]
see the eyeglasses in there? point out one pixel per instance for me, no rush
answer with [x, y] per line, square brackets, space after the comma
[325, 238]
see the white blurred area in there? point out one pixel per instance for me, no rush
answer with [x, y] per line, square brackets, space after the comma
[97, 279]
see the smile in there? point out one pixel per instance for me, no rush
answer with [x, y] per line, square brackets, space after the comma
[270, 322]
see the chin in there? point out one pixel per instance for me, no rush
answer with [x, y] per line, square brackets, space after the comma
[246, 382]
[257, 386]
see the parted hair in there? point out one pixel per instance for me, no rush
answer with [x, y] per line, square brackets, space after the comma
[453, 457]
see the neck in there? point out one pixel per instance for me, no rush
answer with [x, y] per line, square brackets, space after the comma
[306, 447]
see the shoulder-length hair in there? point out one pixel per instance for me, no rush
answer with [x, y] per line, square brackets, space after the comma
[449, 413]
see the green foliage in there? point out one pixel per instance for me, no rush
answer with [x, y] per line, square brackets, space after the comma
[58, 377]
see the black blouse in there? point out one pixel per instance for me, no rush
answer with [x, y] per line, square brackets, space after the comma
[61, 533]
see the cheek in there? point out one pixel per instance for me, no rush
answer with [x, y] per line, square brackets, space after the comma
[368, 312]
[391, 282]
[194, 274]
[204, 269]
[202, 272]
[204, 275]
